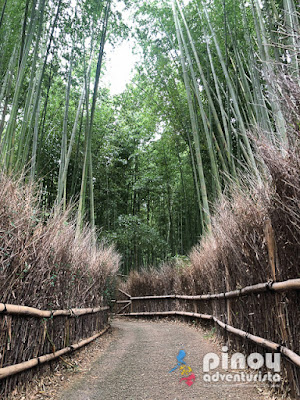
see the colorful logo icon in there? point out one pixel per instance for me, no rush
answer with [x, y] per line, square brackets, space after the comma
[186, 372]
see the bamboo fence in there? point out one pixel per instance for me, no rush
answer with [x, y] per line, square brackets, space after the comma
[12, 309]
[15, 369]
[291, 284]
[260, 313]
[30, 337]
[292, 356]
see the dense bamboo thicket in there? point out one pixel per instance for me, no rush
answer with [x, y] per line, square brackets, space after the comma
[45, 264]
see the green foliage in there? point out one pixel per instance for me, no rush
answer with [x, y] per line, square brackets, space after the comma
[143, 162]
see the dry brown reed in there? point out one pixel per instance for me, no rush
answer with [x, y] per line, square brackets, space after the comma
[45, 264]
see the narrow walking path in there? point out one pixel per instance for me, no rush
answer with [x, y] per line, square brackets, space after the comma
[137, 362]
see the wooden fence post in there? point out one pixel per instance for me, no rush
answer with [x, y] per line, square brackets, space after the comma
[279, 302]
[228, 301]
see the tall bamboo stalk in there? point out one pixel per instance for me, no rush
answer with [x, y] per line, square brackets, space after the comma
[211, 150]
[293, 29]
[32, 85]
[10, 130]
[88, 152]
[2, 13]
[230, 85]
[195, 131]
[267, 66]
[38, 87]
[35, 141]
[5, 92]
[207, 88]
[64, 140]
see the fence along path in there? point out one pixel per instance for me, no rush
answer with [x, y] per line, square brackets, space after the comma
[173, 302]
[60, 331]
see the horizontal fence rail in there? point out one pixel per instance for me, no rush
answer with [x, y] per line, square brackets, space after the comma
[70, 334]
[17, 368]
[291, 284]
[12, 309]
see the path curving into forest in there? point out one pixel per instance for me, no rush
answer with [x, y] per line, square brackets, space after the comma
[136, 365]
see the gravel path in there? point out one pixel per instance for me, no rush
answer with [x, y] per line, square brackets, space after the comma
[136, 366]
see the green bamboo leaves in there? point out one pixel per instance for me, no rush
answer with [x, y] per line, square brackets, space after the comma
[232, 89]
[52, 51]
[194, 123]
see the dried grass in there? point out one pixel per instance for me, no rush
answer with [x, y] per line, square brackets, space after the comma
[45, 264]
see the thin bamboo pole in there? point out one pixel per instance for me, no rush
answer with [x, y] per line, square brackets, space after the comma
[17, 368]
[295, 358]
[126, 294]
[167, 296]
[35, 312]
[291, 284]
[149, 313]
[120, 301]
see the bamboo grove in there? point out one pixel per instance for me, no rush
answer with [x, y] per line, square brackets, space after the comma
[230, 56]
[50, 34]
[147, 165]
